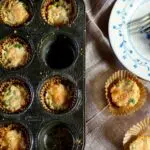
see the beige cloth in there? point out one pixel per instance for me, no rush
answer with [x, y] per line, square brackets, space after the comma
[103, 131]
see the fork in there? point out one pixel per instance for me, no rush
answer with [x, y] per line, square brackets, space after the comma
[140, 25]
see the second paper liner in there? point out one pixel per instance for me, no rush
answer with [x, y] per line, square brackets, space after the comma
[119, 75]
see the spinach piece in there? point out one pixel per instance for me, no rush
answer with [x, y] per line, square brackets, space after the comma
[132, 100]
[18, 45]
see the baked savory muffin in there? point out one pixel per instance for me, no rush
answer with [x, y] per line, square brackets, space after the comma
[141, 143]
[14, 96]
[57, 94]
[11, 138]
[14, 53]
[13, 12]
[125, 93]
[57, 12]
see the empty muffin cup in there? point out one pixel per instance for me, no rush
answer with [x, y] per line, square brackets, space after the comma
[15, 95]
[56, 137]
[15, 53]
[14, 136]
[59, 12]
[58, 94]
[15, 12]
[59, 51]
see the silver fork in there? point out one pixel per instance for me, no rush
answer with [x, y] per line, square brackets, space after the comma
[140, 25]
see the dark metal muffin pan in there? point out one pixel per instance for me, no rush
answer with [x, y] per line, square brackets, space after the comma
[39, 34]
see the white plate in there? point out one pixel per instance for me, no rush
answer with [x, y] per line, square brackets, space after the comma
[132, 49]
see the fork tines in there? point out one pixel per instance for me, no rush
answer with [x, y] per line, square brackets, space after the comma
[140, 25]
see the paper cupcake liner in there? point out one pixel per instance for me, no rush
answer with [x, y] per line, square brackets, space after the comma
[44, 8]
[42, 96]
[1, 21]
[45, 4]
[119, 75]
[8, 82]
[140, 129]
[27, 47]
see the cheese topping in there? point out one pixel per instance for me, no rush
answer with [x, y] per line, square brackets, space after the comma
[11, 139]
[58, 13]
[14, 12]
[56, 96]
[13, 53]
[125, 93]
[141, 143]
[14, 97]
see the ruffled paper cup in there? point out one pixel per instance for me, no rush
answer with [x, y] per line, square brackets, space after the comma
[72, 90]
[45, 4]
[1, 4]
[140, 129]
[14, 81]
[44, 13]
[11, 39]
[117, 76]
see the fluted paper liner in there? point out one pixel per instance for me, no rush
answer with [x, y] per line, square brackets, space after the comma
[46, 86]
[27, 48]
[119, 75]
[46, 3]
[19, 82]
[1, 21]
[140, 129]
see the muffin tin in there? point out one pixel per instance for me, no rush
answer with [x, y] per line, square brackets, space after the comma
[56, 51]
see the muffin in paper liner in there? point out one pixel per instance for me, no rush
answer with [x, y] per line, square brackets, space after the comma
[50, 104]
[57, 6]
[19, 43]
[116, 77]
[8, 4]
[17, 130]
[14, 82]
[139, 130]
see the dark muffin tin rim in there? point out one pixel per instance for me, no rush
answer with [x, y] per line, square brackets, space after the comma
[50, 125]
[76, 118]
[76, 100]
[53, 36]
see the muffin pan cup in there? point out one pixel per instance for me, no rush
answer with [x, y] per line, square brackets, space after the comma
[75, 101]
[35, 117]
[20, 126]
[24, 82]
[30, 9]
[29, 49]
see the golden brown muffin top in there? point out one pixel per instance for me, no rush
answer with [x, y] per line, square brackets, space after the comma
[14, 96]
[14, 53]
[11, 139]
[57, 95]
[13, 12]
[141, 143]
[57, 12]
[125, 93]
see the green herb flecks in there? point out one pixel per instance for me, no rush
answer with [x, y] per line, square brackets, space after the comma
[131, 101]
[18, 45]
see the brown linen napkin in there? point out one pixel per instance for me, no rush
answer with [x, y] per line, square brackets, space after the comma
[103, 131]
